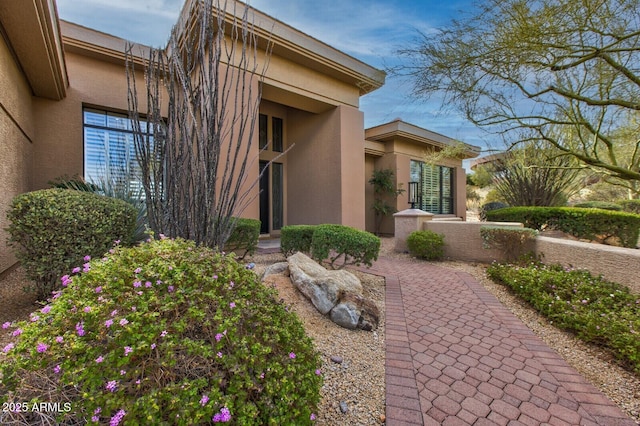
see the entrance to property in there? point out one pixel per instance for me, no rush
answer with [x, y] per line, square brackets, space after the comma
[271, 196]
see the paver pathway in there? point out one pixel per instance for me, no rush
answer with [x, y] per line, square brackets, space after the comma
[456, 356]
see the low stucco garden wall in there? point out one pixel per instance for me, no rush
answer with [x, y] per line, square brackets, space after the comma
[618, 264]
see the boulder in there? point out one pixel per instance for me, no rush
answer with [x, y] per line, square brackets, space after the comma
[353, 311]
[319, 285]
[280, 268]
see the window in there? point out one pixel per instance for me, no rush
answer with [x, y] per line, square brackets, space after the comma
[109, 150]
[276, 126]
[435, 187]
[276, 133]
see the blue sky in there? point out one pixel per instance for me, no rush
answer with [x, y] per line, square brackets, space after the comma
[369, 30]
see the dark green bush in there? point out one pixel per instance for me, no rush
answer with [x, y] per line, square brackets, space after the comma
[426, 245]
[597, 310]
[512, 241]
[485, 208]
[353, 246]
[591, 224]
[166, 333]
[295, 238]
[630, 206]
[53, 230]
[244, 238]
[604, 205]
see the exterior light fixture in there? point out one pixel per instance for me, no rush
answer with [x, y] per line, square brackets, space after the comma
[413, 194]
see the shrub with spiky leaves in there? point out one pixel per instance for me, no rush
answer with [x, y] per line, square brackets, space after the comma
[163, 333]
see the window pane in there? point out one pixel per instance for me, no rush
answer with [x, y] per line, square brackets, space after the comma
[118, 121]
[277, 181]
[263, 131]
[95, 118]
[277, 134]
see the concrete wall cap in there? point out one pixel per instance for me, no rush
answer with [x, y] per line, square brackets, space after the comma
[413, 213]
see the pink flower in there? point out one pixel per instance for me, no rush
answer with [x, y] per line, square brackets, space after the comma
[164, 333]
[76, 270]
[17, 332]
[99, 289]
[127, 350]
[215, 277]
[59, 339]
[42, 348]
[46, 309]
[153, 346]
[292, 355]
[111, 386]
[95, 419]
[8, 348]
[87, 309]
[148, 284]
[87, 258]
[318, 372]
[124, 322]
[312, 417]
[123, 372]
[57, 369]
[204, 400]
[99, 359]
[80, 328]
[223, 416]
[86, 267]
[34, 318]
[219, 354]
[115, 420]
[108, 323]
[170, 289]
[232, 305]
[137, 270]
[218, 337]
[6, 325]
[231, 284]
[159, 282]
[137, 284]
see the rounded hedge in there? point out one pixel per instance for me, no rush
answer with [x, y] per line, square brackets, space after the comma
[426, 245]
[164, 333]
[52, 231]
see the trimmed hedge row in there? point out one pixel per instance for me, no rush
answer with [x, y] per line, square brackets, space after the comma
[630, 206]
[340, 245]
[581, 223]
[244, 237]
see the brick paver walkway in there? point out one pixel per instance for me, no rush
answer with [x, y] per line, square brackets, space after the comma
[456, 356]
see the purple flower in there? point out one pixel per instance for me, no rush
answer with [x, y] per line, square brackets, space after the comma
[127, 350]
[8, 348]
[95, 419]
[137, 270]
[87, 258]
[59, 339]
[17, 332]
[231, 284]
[204, 400]
[42, 348]
[116, 242]
[87, 309]
[218, 337]
[114, 313]
[164, 333]
[76, 270]
[57, 369]
[292, 355]
[99, 359]
[111, 386]
[97, 410]
[159, 282]
[138, 382]
[139, 293]
[215, 277]
[123, 372]
[318, 372]
[219, 354]
[46, 309]
[34, 318]
[124, 322]
[115, 420]
[80, 328]
[108, 323]
[137, 284]
[153, 346]
[232, 305]
[312, 417]
[148, 284]
[56, 294]
[66, 280]
[170, 289]
[99, 289]
[6, 325]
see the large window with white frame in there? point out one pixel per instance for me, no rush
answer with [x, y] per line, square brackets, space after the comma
[109, 150]
[435, 187]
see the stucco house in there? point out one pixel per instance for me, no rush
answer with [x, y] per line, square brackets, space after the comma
[63, 97]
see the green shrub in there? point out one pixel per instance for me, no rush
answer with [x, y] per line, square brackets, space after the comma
[166, 333]
[426, 245]
[53, 230]
[512, 241]
[630, 206]
[604, 205]
[244, 238]
[591, 224]
[353, 246]
[597, 310]
[494, 205]
[295, 238]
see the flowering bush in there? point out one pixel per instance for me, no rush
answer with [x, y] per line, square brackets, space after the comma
[163, 333]
[596, 310]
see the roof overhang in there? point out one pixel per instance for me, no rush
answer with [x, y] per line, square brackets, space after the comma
[33, 34]
[400, 130]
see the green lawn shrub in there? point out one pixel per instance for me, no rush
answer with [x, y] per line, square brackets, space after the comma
[630, 206]
[52, 231]
[295, 238]
[596, 310]
[604, 205]
[343, 245]
[513, 242]
[164, 333]
[426, 245]
[591, 224]
[493, 205]
[244, 238]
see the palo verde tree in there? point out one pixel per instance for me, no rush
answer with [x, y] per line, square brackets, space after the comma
[196, 155]
[565, 71]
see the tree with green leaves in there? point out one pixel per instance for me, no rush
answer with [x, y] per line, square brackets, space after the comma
[566, 72]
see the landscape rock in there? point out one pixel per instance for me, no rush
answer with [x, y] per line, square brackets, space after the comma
[319, 285]
[280, 268]
[343, 407]
[337, 359]
[354, 311]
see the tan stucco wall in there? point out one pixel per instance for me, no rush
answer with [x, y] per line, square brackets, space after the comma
[16, 149]
[326, 168]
